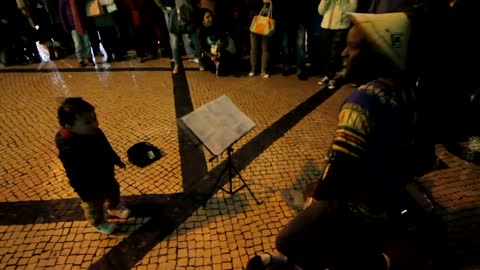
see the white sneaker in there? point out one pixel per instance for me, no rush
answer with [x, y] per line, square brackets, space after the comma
[119, 211]
[195, 60]
[176, 69]
[105, 228]
[331, 84]
[265, 75]
[323, 81]
[251, 74]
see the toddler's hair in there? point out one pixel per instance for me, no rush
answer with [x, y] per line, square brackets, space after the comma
[70, 108]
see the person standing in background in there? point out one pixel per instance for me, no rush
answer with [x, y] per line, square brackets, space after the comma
[255, 39]
[73, 17]
[293, 22]
[190, 39]
[335, 25]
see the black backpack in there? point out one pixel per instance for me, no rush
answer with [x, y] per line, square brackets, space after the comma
[143, 154]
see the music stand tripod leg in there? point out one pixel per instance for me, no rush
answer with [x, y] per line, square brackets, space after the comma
[231, 171]
[245, 183]
[219, 178]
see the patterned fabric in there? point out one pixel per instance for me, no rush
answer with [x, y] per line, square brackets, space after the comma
[352, 131]
[384, 95]
[371, 103]
[370, 159]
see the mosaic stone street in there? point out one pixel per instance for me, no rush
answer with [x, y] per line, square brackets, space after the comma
[174, 224]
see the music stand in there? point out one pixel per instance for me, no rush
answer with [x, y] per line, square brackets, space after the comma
[232, 171]
[217, 125]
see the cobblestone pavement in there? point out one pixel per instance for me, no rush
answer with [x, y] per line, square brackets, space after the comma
[174, 225]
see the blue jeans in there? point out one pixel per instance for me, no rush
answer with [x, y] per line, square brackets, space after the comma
[297, 32]
[190, 41]
[192, 45]
[82, 46]
[334, 42]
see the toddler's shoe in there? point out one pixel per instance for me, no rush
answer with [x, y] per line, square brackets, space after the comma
[105, 228]
[119, 211]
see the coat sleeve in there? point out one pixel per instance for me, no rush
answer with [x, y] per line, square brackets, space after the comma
[78, 173]
[353, 130]
[62, 15]
[115, 157]
[323, 6]
[352, 6]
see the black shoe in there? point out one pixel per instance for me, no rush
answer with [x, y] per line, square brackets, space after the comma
[286, 71]
[302, 76]
[90, 62]
[275, 262]
[82, 64]
[109, 58]
[255, 263]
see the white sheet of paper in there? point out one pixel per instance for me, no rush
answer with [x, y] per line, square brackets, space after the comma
[218, 124]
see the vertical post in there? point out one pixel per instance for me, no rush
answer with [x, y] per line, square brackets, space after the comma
[231, 173]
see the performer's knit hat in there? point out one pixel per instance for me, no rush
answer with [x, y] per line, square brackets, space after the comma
[388, 32]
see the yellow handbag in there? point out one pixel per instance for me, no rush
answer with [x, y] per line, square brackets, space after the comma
[93, 8]
[263, 25]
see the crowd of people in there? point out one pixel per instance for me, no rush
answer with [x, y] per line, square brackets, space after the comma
[217, 36]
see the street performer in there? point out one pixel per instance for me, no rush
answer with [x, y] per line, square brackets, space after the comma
[363, 183]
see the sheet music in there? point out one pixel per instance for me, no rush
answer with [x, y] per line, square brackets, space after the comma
[218, 124]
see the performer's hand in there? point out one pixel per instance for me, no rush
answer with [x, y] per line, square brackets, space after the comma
[308, 202]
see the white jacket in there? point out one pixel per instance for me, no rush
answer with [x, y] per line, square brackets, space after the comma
[335, 13]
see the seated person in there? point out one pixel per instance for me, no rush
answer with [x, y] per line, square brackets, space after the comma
[217, 48]
[361, 193]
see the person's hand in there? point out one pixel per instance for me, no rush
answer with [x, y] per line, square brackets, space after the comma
[267, 1]
[213, 58]
[121, 165]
